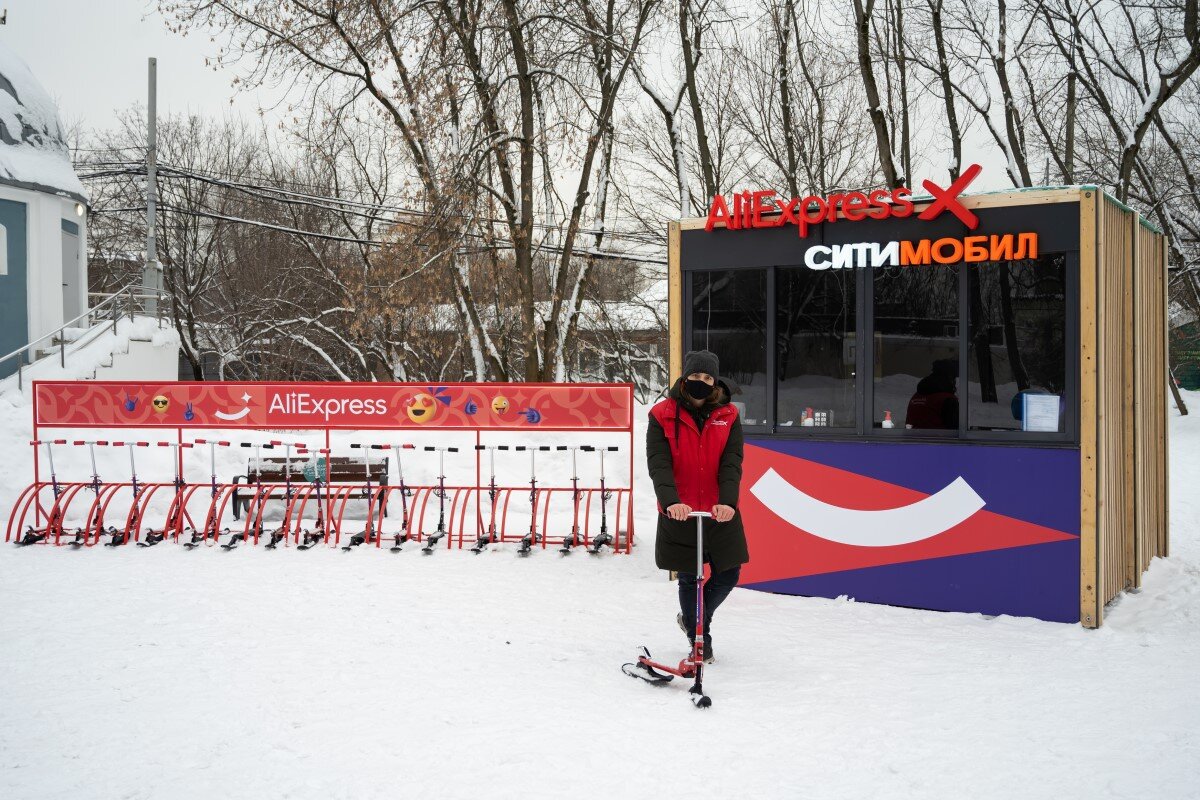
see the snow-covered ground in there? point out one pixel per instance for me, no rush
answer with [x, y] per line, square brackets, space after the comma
[165, 673]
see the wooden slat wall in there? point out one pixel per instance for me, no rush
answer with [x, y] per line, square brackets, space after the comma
[1114, 418]
[1130, 503]
[1150, 389]
[1162, 337]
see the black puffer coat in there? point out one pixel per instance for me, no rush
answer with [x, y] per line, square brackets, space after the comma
[675, 546]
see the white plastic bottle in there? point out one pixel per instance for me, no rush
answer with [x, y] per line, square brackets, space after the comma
[808, 421]
[887, 420]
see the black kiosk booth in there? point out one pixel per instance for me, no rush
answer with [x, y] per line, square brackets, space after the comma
[951, 402]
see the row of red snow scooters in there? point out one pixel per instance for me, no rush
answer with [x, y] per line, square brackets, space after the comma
[309, 491]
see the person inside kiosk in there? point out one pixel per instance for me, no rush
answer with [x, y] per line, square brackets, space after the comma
[934, 405]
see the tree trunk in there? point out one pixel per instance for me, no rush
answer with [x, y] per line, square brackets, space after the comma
[690, 42]
[523, 232]
[883, 141]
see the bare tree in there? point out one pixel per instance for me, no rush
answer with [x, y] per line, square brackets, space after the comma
[1133, 59]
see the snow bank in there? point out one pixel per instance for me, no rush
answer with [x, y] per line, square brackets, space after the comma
[252, 674]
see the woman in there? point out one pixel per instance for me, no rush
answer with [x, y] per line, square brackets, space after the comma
[694, 453]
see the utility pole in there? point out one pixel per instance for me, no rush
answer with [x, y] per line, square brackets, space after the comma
[152, 272]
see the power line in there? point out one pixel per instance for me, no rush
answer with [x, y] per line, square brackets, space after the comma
[593, 252]
[330, 203]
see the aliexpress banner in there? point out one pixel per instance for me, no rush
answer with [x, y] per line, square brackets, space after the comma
[471, 406]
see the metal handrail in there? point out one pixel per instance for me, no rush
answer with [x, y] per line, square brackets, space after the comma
[126, 293]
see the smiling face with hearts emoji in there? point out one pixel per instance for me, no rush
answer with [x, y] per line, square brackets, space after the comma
[420, 408]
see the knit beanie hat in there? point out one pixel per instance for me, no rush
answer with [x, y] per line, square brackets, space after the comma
[701, 361]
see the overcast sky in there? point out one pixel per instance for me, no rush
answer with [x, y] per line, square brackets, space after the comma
[91, 57]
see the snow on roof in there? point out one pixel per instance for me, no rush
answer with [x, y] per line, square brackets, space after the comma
[33, 152]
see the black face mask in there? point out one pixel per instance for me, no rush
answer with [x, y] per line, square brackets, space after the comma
[698, 390]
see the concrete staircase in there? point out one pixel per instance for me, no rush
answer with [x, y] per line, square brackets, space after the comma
[128, 349]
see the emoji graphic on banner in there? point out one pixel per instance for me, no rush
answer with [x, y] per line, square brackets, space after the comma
[420, 408]
[160, 404]
[500, 405]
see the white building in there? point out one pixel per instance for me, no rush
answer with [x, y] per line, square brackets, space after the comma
[43, 215]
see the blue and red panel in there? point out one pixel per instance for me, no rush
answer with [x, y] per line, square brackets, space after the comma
[941, 526]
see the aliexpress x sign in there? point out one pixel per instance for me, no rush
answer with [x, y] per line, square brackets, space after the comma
[761, 209]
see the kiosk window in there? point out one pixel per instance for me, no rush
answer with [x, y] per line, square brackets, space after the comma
[815, 347]
[1017, 346]
[729, 318]
[916, 347]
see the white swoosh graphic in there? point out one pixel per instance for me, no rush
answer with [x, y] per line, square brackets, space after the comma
[927, 517]
[233, 417]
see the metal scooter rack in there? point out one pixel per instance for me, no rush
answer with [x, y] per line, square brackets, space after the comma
[197, 512]
[83, 511]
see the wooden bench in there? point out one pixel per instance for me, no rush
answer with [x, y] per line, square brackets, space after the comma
[342, 470]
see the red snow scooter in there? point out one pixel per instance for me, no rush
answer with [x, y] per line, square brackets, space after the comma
[693, 666]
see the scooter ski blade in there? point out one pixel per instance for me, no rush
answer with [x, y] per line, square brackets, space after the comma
[639, 669]
[701, 700]
[308, 540]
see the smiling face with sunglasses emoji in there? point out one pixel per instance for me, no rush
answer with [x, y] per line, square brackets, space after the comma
[160, 404]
